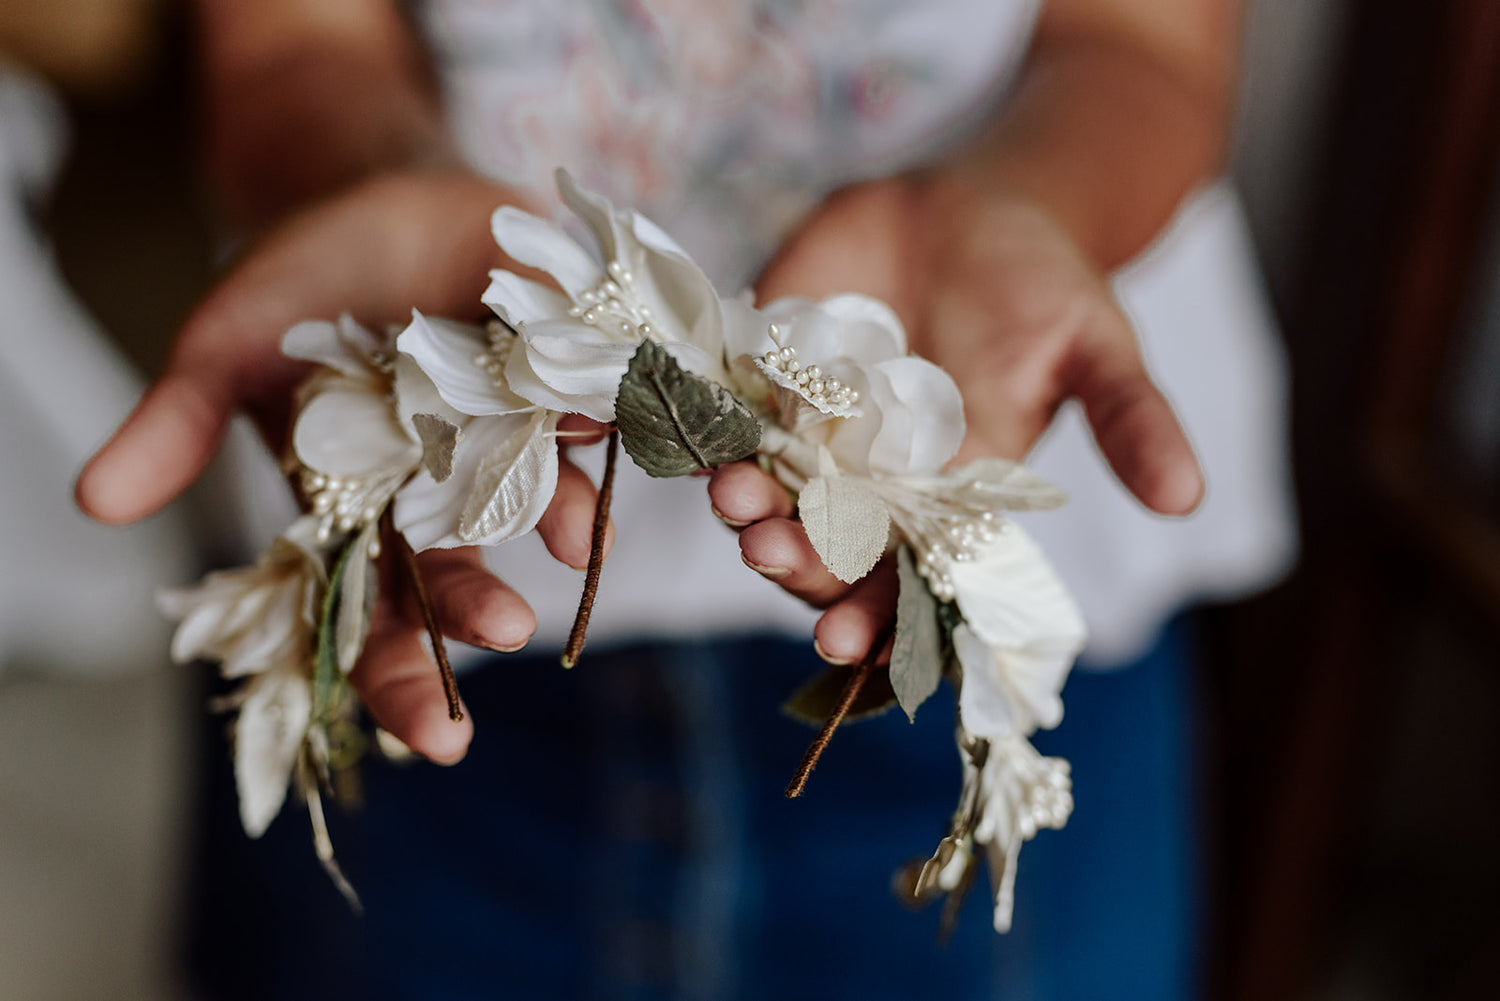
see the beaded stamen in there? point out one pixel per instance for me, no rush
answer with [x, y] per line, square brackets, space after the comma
[826, 392]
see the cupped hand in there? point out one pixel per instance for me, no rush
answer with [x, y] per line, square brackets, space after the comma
[993, 289]
[375, 251]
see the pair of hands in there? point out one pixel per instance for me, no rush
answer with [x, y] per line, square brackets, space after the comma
[989, 286]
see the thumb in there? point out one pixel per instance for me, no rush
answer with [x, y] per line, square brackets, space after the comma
[161, 448]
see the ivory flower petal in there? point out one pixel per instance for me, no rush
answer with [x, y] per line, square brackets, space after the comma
[346, 346]
[1020, 636]
[1010, 691]
[451, 355]
[346, 430]
[268, 736]
[543, 245]
[1010, 595]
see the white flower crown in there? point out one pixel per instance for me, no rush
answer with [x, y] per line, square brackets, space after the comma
[449, 430]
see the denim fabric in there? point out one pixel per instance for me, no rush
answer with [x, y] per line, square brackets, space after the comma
[619, 831]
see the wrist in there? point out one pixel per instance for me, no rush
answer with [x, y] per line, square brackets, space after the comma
[316, 119]
[1101, 136]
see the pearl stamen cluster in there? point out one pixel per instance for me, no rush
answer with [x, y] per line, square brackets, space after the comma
[501, 339]
[614, 307]
[1035, 791]
[826, 392]
[942, 531]
[347, 503]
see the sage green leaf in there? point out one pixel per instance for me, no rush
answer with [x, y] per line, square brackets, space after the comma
[356, 600]
[326, 674]
[439, 438]
[917, 651]
[814, 702]
[847, 524]
[673, 422]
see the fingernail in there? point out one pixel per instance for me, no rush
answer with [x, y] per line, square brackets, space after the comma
[726, 519]
[830, 658]
[772, 572]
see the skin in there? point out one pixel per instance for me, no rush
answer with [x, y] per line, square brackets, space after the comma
[325, 138]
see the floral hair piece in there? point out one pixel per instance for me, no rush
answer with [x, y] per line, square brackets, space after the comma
[447, 432]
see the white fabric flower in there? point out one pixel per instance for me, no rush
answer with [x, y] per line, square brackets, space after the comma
[493, 476]
[253, 619]
[846, 383]
[261, 622]
[357, 435]
[863, 430]
[576, 344]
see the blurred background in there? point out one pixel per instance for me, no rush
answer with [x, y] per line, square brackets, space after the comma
[1353, 733]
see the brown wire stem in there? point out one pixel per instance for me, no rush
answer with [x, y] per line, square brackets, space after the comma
[846, 699]
[596, 555]
[439, 648]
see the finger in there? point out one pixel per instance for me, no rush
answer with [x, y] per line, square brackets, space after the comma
[471, 604]
[742, 493]
[399, 684]
[1137, 431]
[853, 624]
[161, 448]
[576, 429]
[567, 526]
[778, 549]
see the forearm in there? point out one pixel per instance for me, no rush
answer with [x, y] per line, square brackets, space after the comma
[1112, 123]
[303, 99]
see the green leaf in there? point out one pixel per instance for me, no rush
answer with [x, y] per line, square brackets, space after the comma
[814, 702]
[917, 652]
[326, 675]
[847, 524]
[673, 422]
